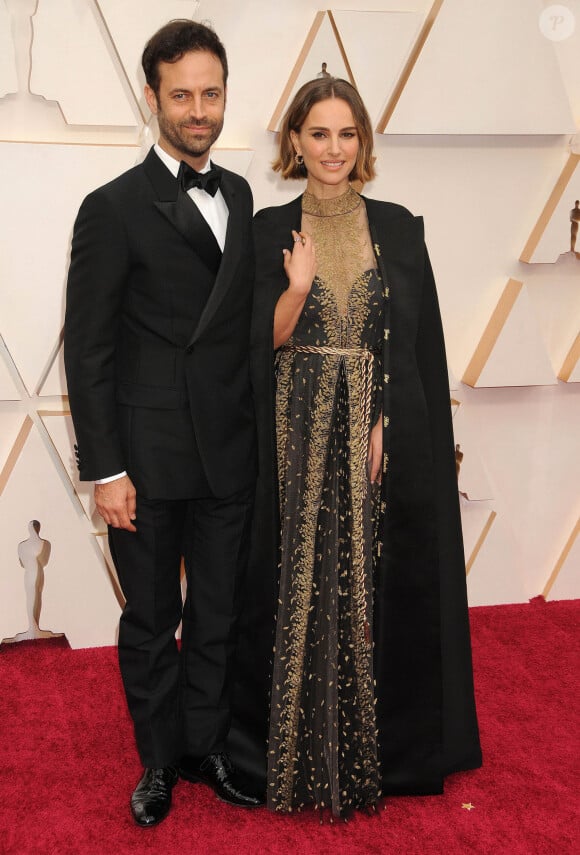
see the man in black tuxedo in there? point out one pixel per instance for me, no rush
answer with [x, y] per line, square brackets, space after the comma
[156, 351]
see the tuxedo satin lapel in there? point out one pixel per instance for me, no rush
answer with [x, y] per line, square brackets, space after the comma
[229, 259]
[189, 222]
[183, 214]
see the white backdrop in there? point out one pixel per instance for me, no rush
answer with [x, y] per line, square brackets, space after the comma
[477, 111]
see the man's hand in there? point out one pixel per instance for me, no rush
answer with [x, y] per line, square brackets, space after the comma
[116, 502]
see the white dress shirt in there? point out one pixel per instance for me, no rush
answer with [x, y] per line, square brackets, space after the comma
[214, 211]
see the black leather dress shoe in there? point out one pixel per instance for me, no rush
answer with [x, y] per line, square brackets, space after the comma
[151, 799]
[228, 783]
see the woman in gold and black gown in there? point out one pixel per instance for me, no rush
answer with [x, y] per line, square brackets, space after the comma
[371, 687]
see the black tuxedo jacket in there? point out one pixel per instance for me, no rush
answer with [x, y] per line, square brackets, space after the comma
[157, 337]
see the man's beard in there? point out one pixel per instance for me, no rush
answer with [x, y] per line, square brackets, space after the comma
[182, 141]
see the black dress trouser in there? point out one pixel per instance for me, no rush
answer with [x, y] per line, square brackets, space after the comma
[180, 699]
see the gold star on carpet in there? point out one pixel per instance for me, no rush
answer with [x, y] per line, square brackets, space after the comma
[467, 806]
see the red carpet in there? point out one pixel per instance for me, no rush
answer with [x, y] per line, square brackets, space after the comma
[69, 765]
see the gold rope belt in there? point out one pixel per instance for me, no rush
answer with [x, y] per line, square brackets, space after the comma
[366, 358]
[363, 352]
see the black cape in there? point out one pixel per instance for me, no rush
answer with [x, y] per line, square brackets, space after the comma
[424, 686]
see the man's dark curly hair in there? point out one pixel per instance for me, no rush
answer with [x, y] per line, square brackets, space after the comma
[175, 39]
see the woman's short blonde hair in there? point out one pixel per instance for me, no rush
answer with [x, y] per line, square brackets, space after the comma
[307, 96]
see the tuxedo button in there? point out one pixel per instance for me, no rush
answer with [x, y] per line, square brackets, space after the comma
[189, 348]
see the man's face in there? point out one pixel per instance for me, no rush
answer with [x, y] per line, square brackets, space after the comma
[190, 105]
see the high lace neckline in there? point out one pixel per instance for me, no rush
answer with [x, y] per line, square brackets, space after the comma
[343, 204]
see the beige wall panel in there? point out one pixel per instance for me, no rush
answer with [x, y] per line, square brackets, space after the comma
[554, 290]
[131, 23]
[476, 521]
[13, 610]
[8, 75]
[530, 444]
[563, 582]
[10, 426]
[485, 69]
[554, 224]
[377, 45]
[95, 94]
[567, 52]
[409, 66]
[473, 480]
[78, 597]
[8, 390]
[453, 381]
[511, 350]
[15, 450]
[101, 539]
[35, 237]
[54, 382]
[25, 116]
[238, 160]
[498, 573]
[549, 195]
[29, 118]
[570, 371]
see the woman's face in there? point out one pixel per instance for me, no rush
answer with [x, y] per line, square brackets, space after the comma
[328, 141]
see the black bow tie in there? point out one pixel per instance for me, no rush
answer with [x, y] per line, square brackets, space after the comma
[208, 181]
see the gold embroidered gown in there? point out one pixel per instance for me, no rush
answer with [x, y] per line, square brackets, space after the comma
[322, 743]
